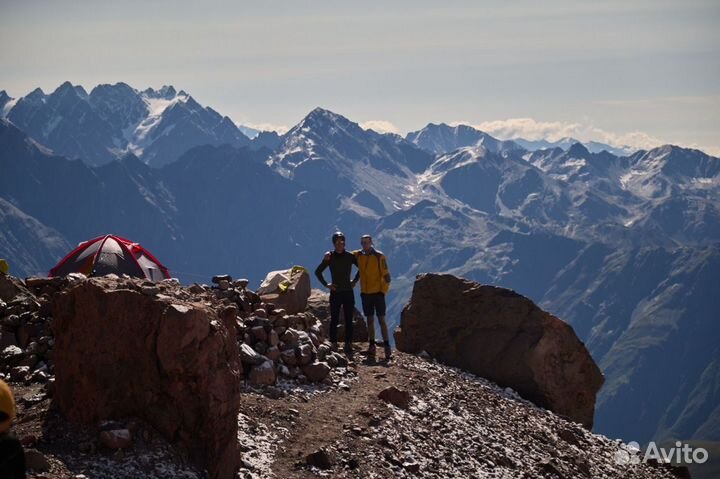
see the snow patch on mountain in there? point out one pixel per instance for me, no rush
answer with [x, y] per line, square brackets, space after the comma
[7, 107]
[156, 107]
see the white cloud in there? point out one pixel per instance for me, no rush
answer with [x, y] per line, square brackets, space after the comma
[531, 129]
[633, 139]
[381, 126]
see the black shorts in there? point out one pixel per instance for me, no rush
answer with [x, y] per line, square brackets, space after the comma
[373, 304]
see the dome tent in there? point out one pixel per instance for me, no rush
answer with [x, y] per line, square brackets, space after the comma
[111, 254]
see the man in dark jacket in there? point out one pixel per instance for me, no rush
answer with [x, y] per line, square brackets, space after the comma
[340, 263]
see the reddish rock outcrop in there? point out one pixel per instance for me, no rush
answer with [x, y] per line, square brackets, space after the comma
[121, 351]
[500, 335]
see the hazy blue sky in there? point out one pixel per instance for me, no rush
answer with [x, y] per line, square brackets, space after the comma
[625, 71]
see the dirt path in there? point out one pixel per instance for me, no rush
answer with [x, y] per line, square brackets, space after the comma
[337, 418]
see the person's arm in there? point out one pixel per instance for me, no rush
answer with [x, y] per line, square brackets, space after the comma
[357, 273]
[384, 269]
[321, 267]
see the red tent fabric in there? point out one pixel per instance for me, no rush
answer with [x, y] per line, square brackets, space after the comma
[111, 254]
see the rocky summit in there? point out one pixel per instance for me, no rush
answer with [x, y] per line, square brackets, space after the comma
[122, 378]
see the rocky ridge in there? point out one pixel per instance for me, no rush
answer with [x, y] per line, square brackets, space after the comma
[413, 417]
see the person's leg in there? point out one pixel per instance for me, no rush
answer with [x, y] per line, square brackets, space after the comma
[381, 309]
[386, 337]
[384, 329]
[371, 334]
[335, 304]
[348, 309]
[368, 311]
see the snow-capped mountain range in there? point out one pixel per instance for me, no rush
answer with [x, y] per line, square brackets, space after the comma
[566, 142]
[159, 125]
[443, 138]
[114, 120]
[626, 248]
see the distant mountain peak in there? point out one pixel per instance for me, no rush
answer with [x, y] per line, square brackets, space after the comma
[322, 114]
[445, 126]
[443, 138]
[320, 111]
[320, 119]
[166, 92]
[578, 150]
[676, 160]
[117, 87]
[432, 125]
[669, 148]
[64, 86]
[68, 87]
[36, 94]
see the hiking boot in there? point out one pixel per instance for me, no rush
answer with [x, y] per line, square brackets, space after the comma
[388, 351]
[348, 350]
[371, 351]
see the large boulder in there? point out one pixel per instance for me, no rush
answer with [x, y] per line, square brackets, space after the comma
[319, 305]
[287, 289]
[500, 335]
[174, 363]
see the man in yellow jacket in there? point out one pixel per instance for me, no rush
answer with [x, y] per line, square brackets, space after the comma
[374, 285]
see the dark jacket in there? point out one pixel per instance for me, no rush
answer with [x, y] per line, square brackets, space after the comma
[340, 265]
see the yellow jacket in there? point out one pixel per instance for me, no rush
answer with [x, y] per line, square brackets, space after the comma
[374, 272]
